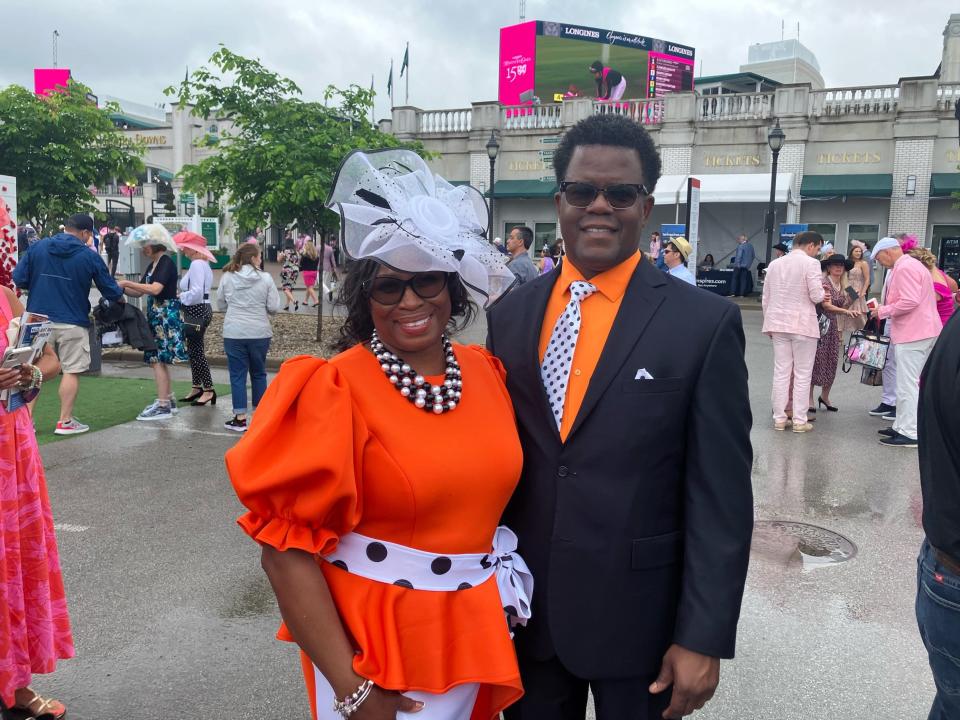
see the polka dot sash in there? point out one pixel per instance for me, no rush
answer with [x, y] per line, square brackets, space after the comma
[555, 370]
[414, 569]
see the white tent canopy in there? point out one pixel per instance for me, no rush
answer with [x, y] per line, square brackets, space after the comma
[729, 188]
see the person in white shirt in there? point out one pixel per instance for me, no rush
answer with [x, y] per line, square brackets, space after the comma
[675, 255]
[197, 314]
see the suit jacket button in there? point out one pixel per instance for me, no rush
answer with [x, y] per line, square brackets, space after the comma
[562, 471]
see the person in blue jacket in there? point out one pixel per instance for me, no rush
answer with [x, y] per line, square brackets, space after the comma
[57, 272]
[742, 262]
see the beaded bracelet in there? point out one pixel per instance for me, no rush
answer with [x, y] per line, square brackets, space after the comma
[36, 379]
[351, 703]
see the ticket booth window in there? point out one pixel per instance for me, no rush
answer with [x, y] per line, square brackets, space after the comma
[945, 244]
[544, 234]
[828, 230]
[863, 232]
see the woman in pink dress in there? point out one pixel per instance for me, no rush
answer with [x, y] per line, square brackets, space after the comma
[34, 625]
[943, 285]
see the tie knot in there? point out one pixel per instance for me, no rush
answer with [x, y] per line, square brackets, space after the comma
[580, 289]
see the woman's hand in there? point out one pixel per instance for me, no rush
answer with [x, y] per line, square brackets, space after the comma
[385, 704]
[853, 313]
[10, 378]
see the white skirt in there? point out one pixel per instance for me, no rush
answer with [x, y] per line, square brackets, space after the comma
[455, 704]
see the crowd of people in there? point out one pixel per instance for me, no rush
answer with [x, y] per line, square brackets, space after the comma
[406, 592]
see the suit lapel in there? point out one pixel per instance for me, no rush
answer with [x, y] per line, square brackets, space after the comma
[531, 324]
[639, 305]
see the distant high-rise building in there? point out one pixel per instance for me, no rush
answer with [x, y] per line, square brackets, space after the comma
[786, 61]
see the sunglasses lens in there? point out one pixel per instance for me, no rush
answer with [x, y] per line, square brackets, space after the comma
[621, 196]
[428, 285]
[387, 291]
[580, 194]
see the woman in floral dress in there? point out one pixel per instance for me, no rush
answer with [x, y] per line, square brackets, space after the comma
[835, 305]
[34, 624]
[289, 272]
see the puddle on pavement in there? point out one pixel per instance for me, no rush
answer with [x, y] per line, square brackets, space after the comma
[255, 598]
[787, 542]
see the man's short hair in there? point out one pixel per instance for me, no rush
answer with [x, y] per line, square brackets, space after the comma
[79, 222]
[526, 234]
[612, 130]
[808, 237]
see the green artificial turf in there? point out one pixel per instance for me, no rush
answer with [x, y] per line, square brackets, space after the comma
[101, 403]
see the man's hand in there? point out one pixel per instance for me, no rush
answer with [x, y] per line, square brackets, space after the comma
[694, 678]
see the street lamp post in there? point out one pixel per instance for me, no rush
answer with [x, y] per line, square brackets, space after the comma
[131, 186]
[493, 147]
[775, 138]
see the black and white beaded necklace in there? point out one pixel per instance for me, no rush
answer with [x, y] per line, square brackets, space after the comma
[437, 399]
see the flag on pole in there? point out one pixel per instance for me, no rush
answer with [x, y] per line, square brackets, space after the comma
[406, 59]
[390, 83]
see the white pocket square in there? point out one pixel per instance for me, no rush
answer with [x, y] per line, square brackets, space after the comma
[642, 374]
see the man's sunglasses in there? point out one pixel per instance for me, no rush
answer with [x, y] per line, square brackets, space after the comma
[620, 196]
[390, 290]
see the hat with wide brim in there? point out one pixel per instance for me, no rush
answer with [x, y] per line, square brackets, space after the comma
[395, 210]
[682, 245]
[837, 259]
[186, 239]
[151, 234]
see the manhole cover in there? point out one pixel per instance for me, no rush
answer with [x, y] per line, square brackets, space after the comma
[816, 545]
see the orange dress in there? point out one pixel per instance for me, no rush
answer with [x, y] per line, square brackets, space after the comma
[388, 470]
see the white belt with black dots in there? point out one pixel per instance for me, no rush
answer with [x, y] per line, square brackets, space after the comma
[407, 567]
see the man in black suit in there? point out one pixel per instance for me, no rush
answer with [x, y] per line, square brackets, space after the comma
[634, 510]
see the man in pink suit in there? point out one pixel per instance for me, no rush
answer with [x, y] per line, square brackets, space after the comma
[791, 291]
[911, 305]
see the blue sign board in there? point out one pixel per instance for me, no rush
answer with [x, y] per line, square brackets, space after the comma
[789, 232]
[671, 231]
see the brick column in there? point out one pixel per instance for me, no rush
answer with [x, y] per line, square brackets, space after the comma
[908, 213]
[675, 159]
[791, 161]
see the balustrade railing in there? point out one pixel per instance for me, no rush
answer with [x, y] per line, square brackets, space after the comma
[645, 112]
[839, 102]
[117, 191]
[741, 106]
[531, 117]
[947, 96]
[446, 121]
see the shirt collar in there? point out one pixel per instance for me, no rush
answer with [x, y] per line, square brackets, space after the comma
[612, 283]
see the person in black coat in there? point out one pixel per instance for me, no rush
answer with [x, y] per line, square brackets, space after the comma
[635, 509]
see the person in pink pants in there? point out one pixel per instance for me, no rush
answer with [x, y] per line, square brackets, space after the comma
[791, 291]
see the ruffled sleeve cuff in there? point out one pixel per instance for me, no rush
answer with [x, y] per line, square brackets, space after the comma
[283, 534]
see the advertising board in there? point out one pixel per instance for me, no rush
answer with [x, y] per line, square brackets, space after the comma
[543, 62]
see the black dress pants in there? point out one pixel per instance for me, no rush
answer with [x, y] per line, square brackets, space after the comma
[551, 692]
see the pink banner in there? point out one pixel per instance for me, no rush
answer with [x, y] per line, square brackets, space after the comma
[48, 80]
[518, 50]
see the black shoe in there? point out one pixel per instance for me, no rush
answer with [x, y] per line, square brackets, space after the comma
[812, 410]
[890, 416]
[236, 424]
[191, 397]
[881, 410]
[209, 401]
[899, 440]
[888, 432]
[830, 408]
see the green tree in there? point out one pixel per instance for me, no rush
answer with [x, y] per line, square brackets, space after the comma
[278, 160]
[58, 147]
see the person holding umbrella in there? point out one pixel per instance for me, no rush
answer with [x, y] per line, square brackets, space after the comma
[159, 284]
[197, 313]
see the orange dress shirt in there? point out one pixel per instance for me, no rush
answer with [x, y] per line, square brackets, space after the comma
[597, 314]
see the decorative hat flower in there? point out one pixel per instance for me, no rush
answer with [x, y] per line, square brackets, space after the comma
[395, 210]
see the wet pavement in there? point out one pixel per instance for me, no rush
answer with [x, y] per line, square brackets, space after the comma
[174, 618]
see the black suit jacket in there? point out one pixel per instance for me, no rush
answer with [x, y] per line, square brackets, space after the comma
[637, 528]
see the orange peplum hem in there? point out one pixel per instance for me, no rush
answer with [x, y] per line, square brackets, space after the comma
[426, 640]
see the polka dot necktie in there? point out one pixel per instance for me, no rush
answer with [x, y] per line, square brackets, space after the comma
[555, 370]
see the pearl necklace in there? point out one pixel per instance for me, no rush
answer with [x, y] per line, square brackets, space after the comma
[437, 399]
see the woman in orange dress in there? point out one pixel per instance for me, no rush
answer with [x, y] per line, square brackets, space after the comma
[382, 544]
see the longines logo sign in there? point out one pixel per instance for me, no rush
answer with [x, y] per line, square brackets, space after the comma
[612, 37]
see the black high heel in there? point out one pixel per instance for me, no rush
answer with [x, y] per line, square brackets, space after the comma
[820, 402]
[209, 401]
[191, 397]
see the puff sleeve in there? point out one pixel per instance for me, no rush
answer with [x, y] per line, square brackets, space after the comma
[298, 467]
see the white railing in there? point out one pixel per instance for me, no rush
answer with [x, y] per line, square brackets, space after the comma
[839, 102]
[645, 112]
[446, 121]
[947, 96]
[531, 117]
[742, 106]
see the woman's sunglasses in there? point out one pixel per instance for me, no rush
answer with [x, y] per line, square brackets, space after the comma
[620, 196]
[390, 290]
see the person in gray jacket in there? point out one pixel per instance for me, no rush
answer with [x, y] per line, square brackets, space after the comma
[249, 297]
[518, 245]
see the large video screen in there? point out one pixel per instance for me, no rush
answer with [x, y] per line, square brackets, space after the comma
[544, 62]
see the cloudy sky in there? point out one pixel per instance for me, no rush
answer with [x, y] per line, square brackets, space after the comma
[134, 49]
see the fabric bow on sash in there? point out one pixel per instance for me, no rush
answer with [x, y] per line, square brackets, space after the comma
[514, 578]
